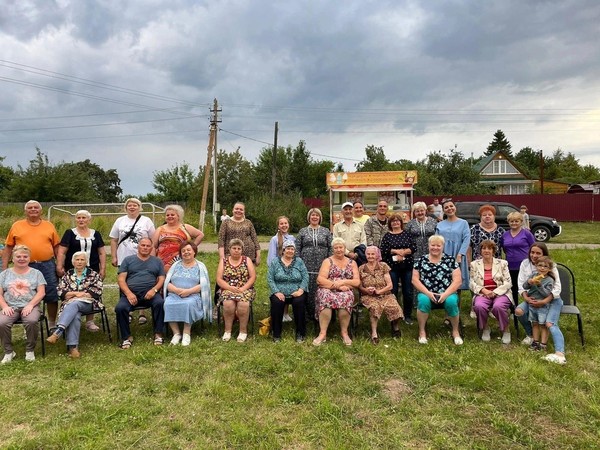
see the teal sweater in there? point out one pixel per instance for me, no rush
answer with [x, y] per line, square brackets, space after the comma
[287, 279]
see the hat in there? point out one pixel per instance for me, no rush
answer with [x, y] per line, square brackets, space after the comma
[288, 243]
[347, 204]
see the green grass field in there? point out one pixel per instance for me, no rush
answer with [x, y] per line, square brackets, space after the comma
[399, 394]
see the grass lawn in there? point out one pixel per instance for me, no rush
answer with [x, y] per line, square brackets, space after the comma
[295, 396]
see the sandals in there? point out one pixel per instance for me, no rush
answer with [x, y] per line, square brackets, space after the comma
[126, 344]
[316, 341]
[374, 340]
[242, 337]
[158, 340]
[348, 342]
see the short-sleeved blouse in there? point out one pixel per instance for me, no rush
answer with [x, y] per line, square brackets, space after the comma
[20, 288]
[436, 277]
[74, 242]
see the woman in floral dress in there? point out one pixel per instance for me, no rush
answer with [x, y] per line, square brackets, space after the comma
[235, 278]
[337, 278]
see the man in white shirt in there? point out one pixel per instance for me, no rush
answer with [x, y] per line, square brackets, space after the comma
[353, 234]
[438, 210]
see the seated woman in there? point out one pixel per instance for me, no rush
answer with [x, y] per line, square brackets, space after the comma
[491, 284]
[337, 277]
[235, 277]
[288, 282]
[376, 288]
[80, 290]
[437, 277]
[187, 294]
[22, 288]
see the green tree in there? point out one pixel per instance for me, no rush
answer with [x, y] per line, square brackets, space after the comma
[375, 161]
[499, 143]
[175, 184]
[528, 160]
[6, 176]
[105, 183]
[43, 181]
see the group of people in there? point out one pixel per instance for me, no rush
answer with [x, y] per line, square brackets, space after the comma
[318, 273]
[157, 269]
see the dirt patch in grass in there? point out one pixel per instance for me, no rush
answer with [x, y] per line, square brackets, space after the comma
[396, 389]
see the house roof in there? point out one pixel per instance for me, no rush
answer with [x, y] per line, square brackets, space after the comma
[500, 154]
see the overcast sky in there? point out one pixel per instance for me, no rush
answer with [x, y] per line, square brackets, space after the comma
[128, 84]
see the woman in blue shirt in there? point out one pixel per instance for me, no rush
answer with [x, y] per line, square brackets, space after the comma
[288, 283]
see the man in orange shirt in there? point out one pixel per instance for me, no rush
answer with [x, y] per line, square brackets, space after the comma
[42, 239]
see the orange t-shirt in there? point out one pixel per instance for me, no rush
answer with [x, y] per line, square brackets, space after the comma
[41, 239]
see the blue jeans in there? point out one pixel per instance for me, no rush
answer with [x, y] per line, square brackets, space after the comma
[48, 269]
[553, 317]
[404, 277]
[70, 320]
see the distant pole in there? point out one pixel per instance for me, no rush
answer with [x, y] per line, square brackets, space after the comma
[215, 118]
[541, 172]
[211, 143]
[274, 159]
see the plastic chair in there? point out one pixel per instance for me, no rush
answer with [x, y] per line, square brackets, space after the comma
[569, 297]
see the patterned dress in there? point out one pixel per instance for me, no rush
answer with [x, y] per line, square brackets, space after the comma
[168, 245]
[478, 235]
[237, 276]
[421, 231]
[327, 298]
[244, 230]
[378, 304]
[313, 246]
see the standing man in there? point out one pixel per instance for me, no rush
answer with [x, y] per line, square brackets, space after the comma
[353, 234]
[359, 213]
[438, 210]
[42, 239]
[141, 278]
[377, 225]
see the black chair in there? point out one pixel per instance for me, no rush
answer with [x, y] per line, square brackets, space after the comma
[135, 308]
[43, 321]
[104, 318]
[569, 297]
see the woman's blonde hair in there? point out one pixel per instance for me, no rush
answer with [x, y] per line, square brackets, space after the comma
[515, 215]
[436, 238]
[338, 240]
[312, 211]
[418, 205]
[21, 248]
[178, 209]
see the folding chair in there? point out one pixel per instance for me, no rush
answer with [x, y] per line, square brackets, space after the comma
[104, 319]
[42, 321]
[568, 296]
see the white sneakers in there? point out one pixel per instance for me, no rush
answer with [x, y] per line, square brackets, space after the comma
[8, 357]
[422, 340]
[527, 341]
[242, 337]
[226, 336]
[29, 356]
[176, 339]
[486, 335]
[458, 340]
[186, 339]
[553, 357]
[287, 318]
[506, 337]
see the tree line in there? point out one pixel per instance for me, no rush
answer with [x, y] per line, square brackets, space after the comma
[297, 176]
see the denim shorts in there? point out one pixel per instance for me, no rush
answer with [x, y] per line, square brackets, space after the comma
[48, 269]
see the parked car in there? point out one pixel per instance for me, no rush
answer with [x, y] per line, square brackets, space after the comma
[543, 228]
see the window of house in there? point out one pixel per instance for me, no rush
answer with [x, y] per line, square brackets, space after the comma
[499, 167]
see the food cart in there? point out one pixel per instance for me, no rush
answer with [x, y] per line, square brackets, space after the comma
[395, 187]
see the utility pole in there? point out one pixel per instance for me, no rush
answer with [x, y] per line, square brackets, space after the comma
[212, 139]
[215, 118]
[274, 160]
[541, 172]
